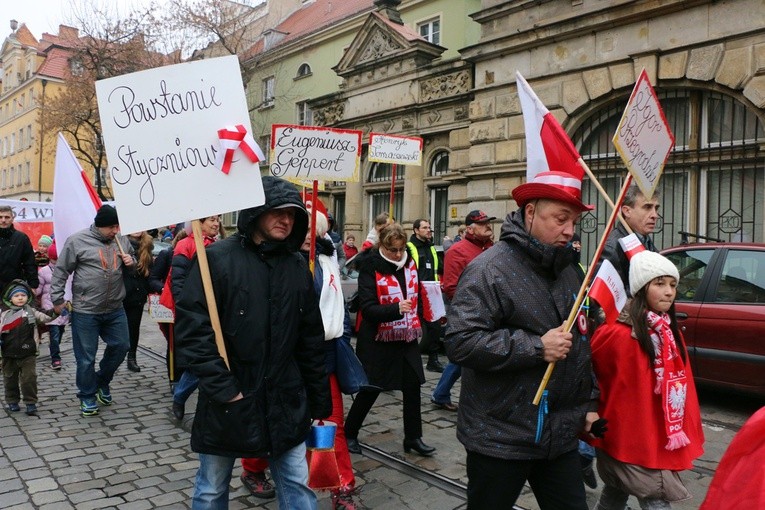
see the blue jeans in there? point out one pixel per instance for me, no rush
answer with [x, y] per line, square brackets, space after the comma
[289, 471]
[585, 450]
[442, 394]
[185, 387]
[56, 332]
[86, 328]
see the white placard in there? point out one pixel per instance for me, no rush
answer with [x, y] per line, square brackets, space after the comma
[401, 150]
[158, 312]
[643, 137]
[315, 153]
[161, 134]
[24, 210]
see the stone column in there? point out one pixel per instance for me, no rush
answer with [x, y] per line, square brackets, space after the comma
[355, 216]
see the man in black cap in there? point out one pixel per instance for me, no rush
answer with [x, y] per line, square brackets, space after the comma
[96, 256]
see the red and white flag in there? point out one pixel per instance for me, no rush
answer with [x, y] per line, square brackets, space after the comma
[548, 147]
[74, 200]
[631, 245]
[608, 290]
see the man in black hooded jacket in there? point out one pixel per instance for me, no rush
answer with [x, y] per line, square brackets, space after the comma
[263, 404]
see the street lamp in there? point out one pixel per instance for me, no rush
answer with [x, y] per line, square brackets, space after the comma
[42, 135]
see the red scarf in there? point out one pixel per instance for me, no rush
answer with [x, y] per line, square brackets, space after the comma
[408, 328]
[671, 381]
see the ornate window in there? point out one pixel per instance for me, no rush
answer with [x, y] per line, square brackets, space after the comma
[439, 165]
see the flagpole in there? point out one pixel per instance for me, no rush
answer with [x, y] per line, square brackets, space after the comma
[583, 289]
[602, 191]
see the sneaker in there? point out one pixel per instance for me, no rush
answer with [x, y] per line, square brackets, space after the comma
[31, 409]
[88, 408]
[258, 484]
[343, 499]
[14, 407]
[56, 364]
[104, 397]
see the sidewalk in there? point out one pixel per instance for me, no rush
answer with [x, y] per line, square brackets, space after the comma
[134, 455]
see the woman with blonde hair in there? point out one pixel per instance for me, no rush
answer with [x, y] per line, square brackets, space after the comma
[387, 339]
[137, 291]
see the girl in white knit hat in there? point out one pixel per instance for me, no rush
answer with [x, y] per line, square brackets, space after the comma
[647, 394]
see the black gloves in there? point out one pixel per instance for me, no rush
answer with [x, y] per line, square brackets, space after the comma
[599, 427]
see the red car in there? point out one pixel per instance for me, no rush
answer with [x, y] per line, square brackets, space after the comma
[721, 311]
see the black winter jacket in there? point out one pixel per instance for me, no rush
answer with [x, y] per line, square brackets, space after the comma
[17, 258]
[273, 335]
[136, 284]
[506, 299]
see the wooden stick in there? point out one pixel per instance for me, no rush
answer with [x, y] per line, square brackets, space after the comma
[583, 289]
[392, 192]
[312, 250]
[212, 307]
[602, 192]
[171, 351]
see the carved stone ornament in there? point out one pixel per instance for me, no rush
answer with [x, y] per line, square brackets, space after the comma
[445, 86]
[329, 115]
[379, 45]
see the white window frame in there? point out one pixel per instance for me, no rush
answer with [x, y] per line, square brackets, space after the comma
[269, 84]
[432, 30]
[304, 114]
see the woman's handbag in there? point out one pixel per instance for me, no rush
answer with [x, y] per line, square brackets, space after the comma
[350, 373]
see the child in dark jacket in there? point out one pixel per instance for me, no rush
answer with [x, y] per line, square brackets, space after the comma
[18, 345]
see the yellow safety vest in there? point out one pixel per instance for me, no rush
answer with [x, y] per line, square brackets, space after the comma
[416, 257]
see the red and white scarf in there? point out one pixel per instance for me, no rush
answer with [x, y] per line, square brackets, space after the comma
[671, 381]
[389, 291]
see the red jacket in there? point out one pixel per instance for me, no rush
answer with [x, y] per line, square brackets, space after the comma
[456, 259]
[636, 432]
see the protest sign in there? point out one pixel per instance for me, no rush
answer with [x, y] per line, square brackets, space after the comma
[315, 153]
[643, 137]
[401, 150]
[159, 312]
[35, 219]
[166, 132]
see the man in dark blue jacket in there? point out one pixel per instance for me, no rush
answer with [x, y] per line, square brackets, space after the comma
[262, 404]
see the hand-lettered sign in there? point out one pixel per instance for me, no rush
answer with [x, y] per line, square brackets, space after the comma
[643, 137]
[315, 153]
[161, 131]
[402, 150]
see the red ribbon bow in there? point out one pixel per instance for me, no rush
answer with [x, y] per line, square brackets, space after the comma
[231, 138]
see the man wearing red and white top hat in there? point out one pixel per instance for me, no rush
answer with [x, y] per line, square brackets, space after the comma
[505, 326]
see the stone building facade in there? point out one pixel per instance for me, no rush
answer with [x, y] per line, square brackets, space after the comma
[706, 61]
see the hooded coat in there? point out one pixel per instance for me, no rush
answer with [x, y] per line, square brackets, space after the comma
[18, 323]
[273, 335]
[506, 299]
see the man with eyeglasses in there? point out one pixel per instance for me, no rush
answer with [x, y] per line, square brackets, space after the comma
[428, 270]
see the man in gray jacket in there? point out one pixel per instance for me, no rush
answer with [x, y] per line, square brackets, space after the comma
[96, 260]
[505, 326]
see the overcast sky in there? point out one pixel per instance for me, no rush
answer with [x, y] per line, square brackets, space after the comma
[46, 15]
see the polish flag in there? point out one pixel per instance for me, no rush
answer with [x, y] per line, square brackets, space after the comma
[608, 290]
[631, 245]
[548, 147]
[74, 200]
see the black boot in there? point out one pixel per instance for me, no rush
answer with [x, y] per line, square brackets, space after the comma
[418, 446]
[433, 364]
[131, 364]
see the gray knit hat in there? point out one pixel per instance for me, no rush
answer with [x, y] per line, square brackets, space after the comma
[647, 265]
